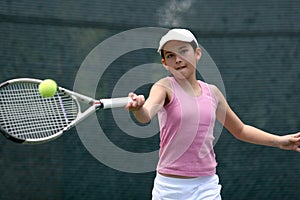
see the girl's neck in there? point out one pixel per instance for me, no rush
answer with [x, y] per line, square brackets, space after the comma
[190, 86]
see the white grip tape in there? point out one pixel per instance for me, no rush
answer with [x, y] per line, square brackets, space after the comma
[115, 102]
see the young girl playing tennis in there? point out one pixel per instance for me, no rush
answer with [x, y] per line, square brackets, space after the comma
[187, 109]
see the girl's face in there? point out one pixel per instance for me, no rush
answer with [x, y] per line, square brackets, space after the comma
[181, 59]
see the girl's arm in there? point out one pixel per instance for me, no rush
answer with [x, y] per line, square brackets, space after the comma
[249, 133]
[144, 110]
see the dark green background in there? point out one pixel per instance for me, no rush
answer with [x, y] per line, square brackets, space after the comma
[255, 45]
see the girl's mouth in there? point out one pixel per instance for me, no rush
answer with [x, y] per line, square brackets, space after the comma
[181, 67]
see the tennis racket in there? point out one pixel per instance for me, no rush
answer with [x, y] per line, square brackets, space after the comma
[26, 117]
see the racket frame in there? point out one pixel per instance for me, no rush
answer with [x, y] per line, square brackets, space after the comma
[93, 104]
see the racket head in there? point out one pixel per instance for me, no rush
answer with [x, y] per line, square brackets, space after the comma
[27, 117]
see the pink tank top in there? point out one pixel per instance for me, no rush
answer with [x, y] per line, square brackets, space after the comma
[186, 133]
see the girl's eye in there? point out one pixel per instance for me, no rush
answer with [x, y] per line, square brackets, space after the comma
[169, 55]
[183, 51]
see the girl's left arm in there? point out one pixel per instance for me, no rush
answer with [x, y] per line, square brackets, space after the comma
[249, 133]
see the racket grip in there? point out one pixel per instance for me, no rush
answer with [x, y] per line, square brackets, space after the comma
[115, 102]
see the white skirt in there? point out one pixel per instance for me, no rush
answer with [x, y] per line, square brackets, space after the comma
[168, 188]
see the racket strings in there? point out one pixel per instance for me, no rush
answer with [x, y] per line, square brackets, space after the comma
[25, 114]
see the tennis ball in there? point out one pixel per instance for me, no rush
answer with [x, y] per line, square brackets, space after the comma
[47, 88]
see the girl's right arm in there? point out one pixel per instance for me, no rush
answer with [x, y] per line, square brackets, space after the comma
[144, 110]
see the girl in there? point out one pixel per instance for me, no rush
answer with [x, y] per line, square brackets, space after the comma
[187, 109]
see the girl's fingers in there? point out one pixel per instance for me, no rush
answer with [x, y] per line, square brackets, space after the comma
[136, 103]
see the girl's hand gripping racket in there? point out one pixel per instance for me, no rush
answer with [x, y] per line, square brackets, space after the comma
[27, 117]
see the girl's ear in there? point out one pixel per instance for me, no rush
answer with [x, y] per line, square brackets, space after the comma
[198, 53]
[163, 62]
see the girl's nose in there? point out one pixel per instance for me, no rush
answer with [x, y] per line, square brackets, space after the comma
[178, 59]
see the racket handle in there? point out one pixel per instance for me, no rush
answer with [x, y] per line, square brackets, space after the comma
[115, 102]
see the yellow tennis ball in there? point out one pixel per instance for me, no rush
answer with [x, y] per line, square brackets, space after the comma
[48, 88]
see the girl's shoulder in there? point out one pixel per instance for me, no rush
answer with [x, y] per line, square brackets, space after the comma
[217, 93]
[164, 82]
[165, 86]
